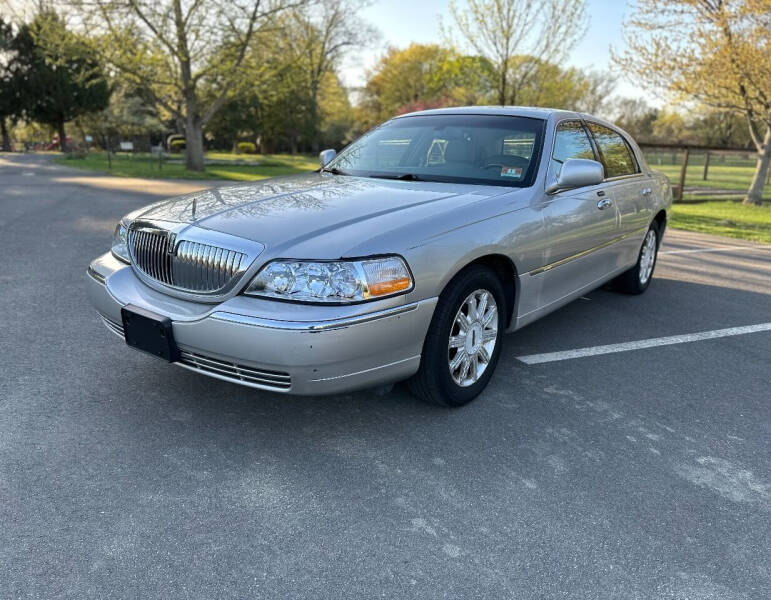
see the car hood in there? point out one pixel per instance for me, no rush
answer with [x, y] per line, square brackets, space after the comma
[334, 213]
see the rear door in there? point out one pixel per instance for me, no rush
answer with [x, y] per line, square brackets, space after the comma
[580, 223]
[629, 187]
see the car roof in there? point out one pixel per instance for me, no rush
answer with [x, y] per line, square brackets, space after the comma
[510, 111]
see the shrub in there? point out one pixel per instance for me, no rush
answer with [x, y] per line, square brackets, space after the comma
[246, 147]
[177, 145]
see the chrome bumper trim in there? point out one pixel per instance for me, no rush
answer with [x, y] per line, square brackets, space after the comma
[365, 371]
[314, 326]
[96, 275]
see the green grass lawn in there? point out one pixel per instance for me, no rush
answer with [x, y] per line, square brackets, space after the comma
[727, 218]
[145, 165]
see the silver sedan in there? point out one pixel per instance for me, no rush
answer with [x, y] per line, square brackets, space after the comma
[406, 256]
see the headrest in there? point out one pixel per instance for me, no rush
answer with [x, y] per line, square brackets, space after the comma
[458, 150]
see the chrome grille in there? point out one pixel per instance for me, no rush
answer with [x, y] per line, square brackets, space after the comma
[189, 266]
[150, 248]
[238, 373]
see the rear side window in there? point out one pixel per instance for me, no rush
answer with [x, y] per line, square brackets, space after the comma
[614, 152]
[570, 141]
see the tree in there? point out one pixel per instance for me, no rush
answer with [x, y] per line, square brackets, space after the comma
[56, 74]
[543, 31]
[712, 52]
[318, 40]
[598, 90]
[188, 55]
[130, 114]
[335, 111]
[635, 116]
[669, 127]
[422, 76]
[715, 127]
[275, 106]
[9, 101]
[554, 86]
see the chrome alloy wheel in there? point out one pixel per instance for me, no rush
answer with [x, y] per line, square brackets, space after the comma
[473, 336]
[647, 257]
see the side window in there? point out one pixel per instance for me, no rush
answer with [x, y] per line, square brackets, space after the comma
[615, 152]
[570, 141]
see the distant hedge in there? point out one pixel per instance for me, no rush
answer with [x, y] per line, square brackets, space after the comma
[247, 147]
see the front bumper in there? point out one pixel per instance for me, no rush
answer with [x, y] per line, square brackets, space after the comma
[306, 350]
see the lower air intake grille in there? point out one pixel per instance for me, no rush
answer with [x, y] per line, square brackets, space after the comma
[116, 328]
[238, 373]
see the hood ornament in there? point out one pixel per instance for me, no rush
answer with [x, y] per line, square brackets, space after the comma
[195, 203]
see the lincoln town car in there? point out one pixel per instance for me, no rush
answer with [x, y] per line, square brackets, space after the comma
[405, 257]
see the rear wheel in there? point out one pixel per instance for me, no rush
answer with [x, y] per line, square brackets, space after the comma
[637, 279]
[464, 340]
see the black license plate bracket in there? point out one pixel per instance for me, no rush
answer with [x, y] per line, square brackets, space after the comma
[149, 332]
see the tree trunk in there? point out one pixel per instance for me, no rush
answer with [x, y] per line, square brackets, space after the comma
[6, 144]
[62, 135]
[193, 145]
[502, 87]
[755, 193]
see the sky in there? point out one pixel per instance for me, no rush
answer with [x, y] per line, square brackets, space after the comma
[404, 21]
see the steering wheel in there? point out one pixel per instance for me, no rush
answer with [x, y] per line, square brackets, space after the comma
[490, 165]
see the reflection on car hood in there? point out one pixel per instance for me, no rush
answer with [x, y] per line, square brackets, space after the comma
[281, 213]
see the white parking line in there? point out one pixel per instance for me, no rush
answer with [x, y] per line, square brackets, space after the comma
[535, 359]
[720, 249]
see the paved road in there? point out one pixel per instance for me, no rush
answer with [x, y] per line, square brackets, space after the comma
[640, 474]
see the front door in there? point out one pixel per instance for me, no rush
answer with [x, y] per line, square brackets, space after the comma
[581, 224]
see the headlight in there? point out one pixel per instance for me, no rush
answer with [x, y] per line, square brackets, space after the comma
[120, 243]
[334, 281]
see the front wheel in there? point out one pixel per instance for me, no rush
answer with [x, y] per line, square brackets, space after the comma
[463, 342]
[637, 279]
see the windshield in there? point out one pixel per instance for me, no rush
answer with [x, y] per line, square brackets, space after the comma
[484, 149]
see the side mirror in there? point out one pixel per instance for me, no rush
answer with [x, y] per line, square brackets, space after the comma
[326, 156]
[577, 172]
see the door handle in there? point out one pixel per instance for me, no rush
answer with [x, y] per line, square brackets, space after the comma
[647, 192]
[604, 203]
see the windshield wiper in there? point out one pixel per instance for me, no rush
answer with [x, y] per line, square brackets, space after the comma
[334, 171]
[402, 177]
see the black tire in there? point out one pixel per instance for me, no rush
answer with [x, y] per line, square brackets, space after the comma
[434, 383]
[630, 281]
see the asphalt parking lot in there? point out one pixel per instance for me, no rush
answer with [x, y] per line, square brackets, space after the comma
[642, 473]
